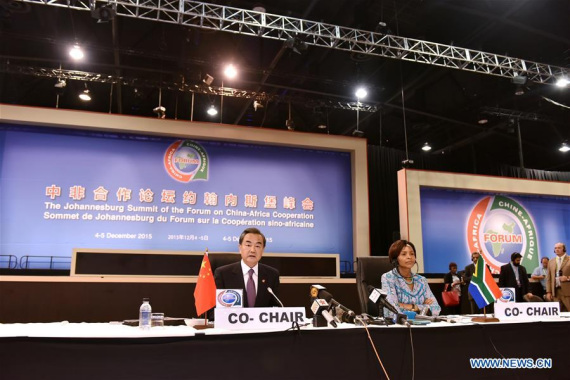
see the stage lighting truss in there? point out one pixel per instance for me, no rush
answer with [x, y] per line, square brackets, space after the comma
[265, 25]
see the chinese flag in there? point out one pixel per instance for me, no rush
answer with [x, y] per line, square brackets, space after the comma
[205, 292]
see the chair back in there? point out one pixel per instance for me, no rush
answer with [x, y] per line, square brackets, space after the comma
[369, 271]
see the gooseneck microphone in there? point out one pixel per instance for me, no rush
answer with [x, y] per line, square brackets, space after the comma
[378, 296]
[274, 296]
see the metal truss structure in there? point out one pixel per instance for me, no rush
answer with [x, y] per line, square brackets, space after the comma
[515, 115]
[265, 25]
[185, 87]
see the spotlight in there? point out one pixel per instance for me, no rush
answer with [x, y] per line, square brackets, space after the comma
[76, 53]
[407, 163]
[60, 86]
[519, 91]
[160, 111]
[562, 82]
[519, 79]
[295, 44]
[208, 79]
[290, 124]
[85, 95]
[103, 14]
[230, 71]
[426, 147]
[212, 111]
[357, 133]
[564, 147]
[361, 93]
[321, 126]
[257, 105]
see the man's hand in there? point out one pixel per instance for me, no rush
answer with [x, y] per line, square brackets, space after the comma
[548, 296]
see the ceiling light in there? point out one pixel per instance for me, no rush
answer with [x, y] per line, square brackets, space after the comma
[519, 91]
[564, 147]
[361, 93]
[562, 82]
[76, 53]
[230, 71]
[321, 126]
[85, 95]
[257, 105]
[426, 147]
[258, 7]
[212, 111]
[482, 120]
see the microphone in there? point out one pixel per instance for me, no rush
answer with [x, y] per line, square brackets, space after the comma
[378, 296]
[320, 291]
[343, 316]
[321, 307]
[274, 296]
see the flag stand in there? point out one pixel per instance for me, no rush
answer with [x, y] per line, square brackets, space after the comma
[484, 318]
[205, 325]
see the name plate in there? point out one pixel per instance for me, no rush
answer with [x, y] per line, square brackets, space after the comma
[258, 318]
[528, 311]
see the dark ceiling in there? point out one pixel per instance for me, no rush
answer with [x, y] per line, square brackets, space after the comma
[442, 105]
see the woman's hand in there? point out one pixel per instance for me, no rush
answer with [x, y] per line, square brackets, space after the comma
[428, 301]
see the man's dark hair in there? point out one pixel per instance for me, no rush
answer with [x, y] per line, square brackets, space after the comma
[252, 230]
[515, 256]
[452, 264]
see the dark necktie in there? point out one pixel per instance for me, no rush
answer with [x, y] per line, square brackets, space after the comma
[250, 289]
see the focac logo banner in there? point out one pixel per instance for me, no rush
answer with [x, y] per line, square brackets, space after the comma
[498, 226]
[186, 160]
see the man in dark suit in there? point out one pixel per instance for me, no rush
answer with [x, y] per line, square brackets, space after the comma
[513, 275]
[467, 275]
[249, 274]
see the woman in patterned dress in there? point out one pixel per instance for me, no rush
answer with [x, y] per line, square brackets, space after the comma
[406, 290]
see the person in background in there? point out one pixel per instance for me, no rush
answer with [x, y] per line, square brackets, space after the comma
[539, 274]
[513, 275]
[467, 275]
[406, 290]
[452, 282]
[558, 278]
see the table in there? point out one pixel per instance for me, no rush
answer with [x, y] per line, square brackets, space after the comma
[442, 351]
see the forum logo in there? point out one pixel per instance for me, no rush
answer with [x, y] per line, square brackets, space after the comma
[499, 226]
[186, 160]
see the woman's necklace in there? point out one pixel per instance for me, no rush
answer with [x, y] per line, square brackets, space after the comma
[408, 280]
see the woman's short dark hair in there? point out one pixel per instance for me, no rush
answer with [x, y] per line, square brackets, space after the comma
[397, 247]
[452, 264]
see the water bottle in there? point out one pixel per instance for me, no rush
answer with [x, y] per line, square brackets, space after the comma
[144, 315]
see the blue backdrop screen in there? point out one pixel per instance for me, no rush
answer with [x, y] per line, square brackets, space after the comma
[455, 223]
[65, 189]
